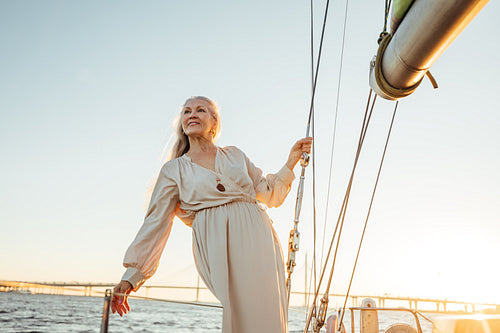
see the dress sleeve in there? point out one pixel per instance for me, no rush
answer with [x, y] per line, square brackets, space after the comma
[143, 255]
[272, 189]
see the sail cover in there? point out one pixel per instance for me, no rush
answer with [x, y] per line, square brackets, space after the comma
[399, 10]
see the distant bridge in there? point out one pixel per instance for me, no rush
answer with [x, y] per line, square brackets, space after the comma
[88, 289]
[58, 288]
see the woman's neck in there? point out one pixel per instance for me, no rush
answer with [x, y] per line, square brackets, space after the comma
[200, 145]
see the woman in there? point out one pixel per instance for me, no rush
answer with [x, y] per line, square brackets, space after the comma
[216, 191]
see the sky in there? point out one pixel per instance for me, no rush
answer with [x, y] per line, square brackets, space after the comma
[89, 91]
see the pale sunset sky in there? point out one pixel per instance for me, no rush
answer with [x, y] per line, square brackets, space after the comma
[89, 91]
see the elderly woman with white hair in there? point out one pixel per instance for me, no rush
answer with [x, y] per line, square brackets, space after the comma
[216, 191]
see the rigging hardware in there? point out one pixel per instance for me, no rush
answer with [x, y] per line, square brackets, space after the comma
[321, 317]
[304, 162]
[294, 237]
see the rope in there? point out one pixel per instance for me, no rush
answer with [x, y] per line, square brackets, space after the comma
[342, 213]
[334, 133]
[432, 79]
[310, 119]
[321, 322]
[293, 240]
[314, 204]
[218, 306]
[311, 108]
[312, 43]
[384, 32]
[369, 211]
[313, 266]
[386, 16]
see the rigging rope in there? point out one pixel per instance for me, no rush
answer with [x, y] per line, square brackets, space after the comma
[313, 314]
[170, 301]
[209, 305]
[324, 300]
[293, 240]
[368, 213]
[313, 266]
[317, 66]
[334, 131]
[319, 319]
[386, 16]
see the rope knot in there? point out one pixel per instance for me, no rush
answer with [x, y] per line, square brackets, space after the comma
[381, 37]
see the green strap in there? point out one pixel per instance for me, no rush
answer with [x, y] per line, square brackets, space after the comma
[400, 8]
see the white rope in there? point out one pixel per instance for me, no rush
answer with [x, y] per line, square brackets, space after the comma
[214, 305]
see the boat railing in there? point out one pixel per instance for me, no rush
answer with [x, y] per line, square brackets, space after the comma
[353, 310]
[105, 311]
[414, 313]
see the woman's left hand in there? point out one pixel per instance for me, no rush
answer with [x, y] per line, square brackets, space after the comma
[302, 146]
[119, 302]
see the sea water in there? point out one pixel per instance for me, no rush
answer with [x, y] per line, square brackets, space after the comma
[21, 313]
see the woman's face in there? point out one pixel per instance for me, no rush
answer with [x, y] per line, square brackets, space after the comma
[197, 121]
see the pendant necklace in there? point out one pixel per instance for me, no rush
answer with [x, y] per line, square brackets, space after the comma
[220, 187]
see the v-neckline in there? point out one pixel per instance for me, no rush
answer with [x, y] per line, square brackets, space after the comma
[201, 166]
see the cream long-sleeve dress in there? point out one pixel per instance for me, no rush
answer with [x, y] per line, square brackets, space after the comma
[236, 250]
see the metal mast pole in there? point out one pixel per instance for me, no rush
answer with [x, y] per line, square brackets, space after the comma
[426, 31]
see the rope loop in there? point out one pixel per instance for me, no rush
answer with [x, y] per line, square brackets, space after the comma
[381, 37]
[386, 15]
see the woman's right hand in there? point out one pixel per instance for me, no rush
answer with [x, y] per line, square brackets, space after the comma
[119, 302]
[299, 148]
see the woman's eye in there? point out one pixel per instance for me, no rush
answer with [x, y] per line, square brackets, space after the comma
[201, 110]
[187, 111]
